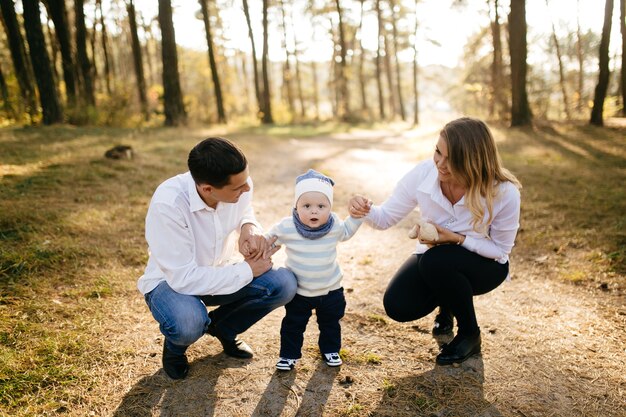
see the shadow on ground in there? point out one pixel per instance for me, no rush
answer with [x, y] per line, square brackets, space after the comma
[442, 391]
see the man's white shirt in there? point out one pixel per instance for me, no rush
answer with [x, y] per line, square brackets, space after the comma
[191, 244]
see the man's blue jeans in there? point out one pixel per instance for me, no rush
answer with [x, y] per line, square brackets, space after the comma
[183, 319]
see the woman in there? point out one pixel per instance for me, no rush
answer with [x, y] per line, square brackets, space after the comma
[475, 205]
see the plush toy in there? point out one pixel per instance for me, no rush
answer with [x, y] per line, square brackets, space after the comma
[427, 231]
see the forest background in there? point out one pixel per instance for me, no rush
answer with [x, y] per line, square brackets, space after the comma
[358, 89]
[309, 60]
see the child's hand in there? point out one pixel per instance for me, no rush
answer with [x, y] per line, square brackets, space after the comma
[254, 247]
[359, 206]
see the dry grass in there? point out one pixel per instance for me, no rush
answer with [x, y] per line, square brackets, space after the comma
[76, 338]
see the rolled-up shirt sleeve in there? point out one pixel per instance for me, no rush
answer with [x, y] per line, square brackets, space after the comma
[171, 245]
[503, 229]
[401, 202]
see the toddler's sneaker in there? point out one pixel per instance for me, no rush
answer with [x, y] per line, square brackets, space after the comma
[332, 359]
[285, 364]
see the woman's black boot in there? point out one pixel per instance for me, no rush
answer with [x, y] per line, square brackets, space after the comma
[459, 349]
[443, 322]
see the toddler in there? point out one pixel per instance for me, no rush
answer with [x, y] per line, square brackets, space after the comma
[310, 236]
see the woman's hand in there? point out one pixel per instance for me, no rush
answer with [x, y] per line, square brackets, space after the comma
[359, 206]
[446, 236]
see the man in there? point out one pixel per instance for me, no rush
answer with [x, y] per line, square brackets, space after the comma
[190, 229]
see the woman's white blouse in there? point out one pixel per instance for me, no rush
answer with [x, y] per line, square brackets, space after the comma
[420, 187]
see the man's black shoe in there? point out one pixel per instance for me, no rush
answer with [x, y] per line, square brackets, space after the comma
[459, 349]
[443, 323]
[174, 365]
[236, 347]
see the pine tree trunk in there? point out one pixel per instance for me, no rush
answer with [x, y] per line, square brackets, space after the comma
[255, 64]
[174, 108]
[145, 47]
[137, 59]
[58, 13]
[379, 83]
[267, 103]
[416, 117]
[217, 87]
[55, 53]
[105, 48]
[21, 64]
[581, 62]
[316, 97]
[362, 84]
[298, 73]
[85, 68]
[520, 110]
[393, 103]
[604, 73]
[497, 104]
[287, 85]
[48, 97]
[4, 92]
[622, 28]
[396, 59]
[559, 58]
[344, 111]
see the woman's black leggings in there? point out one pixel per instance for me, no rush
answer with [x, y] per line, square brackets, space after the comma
[447, 276]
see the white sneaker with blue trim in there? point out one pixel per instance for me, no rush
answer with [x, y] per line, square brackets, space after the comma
[285, 364]
[332, 359]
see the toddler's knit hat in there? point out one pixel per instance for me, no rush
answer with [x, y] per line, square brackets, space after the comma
[314, 181]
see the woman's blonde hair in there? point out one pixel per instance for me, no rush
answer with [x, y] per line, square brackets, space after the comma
[475, 162]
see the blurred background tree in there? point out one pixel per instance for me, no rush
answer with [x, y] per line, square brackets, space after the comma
[309, 60]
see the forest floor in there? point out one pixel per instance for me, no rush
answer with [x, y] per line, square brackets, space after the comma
[76, 338]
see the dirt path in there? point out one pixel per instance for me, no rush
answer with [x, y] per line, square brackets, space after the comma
[549, 349]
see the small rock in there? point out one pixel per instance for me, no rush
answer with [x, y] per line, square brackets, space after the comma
[604, 286]
[120, 152]
[346, 380]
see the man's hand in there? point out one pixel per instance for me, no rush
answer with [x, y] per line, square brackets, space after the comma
[259, 266]
[262, 264]
[252, 244]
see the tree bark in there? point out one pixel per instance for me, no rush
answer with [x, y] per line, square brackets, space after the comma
[344, 110]
[581, 61]
[497, 104]
[362, 84]
[416, 117]
[137, 59]
[48, 96]
[622, 28]
[298, 73]
[4, 91]
[21, 64]
[316, 99]
[520, 110]
[393, 103]
[604, 73]
[85, 68]
[394, 29]
[287, 85]
[217, 87]
[174, 108]
[557, 48]
[379, 84]
[58, 13]
[54, 48]
[105, 48]
[255, 65]
[267, 102]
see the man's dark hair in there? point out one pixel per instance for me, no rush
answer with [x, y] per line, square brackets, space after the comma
[214, 160]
